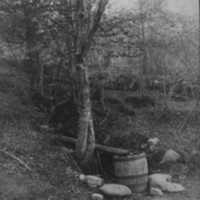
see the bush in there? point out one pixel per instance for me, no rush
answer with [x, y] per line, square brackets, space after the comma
[140, 101]
[15, 95]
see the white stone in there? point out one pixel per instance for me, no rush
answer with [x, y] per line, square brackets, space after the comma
[153, 141]
[82, 177]
[174, 187]
[159, 181]
[44, 127]
[170, 156]
[96, 196]
[93, 181]
[156, 82]
[156, 191]
[163, 183]
[116, 190]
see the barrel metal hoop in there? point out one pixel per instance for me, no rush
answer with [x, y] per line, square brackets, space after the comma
[138, 157]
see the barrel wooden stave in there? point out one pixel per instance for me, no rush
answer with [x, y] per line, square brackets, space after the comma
[132, 171]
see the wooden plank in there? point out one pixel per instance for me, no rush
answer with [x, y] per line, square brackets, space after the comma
[99, 147]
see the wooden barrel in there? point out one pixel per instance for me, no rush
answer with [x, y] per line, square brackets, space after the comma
[132, 171]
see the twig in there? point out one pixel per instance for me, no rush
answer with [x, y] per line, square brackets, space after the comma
[13, 53]
[106, 117]
[100, 164]
[19, 160]
[71, 160]
[62, 27]
[182, 124]
[74, 163]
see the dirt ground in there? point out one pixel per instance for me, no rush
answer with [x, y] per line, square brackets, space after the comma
[34, 168]
[191, 192]
[44, 172]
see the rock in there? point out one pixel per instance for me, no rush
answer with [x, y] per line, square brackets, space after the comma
[66, 150]
[163, 198]
[116, 190]
[174, 187]
[156, 191]
[44, 127]
[170, 156]
[194, 152]
[96, 196]
[163, 183]
[144, 145]
[153, 142]
[92, 181]
[159, 181]
[82, 177]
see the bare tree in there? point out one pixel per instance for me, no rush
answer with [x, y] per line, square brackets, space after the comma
[85, 24]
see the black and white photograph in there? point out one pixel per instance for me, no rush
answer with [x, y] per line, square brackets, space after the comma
[99, 100]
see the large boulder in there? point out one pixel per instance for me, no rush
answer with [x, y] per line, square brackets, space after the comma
[170, 157]
[159, 181]
[116, 190]
[162, 182]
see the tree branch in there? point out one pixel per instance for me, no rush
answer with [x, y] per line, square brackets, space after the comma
[19, 160]
[97, 19]
[62, 27]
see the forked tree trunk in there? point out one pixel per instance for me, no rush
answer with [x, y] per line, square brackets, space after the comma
[86, 137]
[84, 35]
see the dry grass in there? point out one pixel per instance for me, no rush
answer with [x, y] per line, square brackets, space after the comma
[50, 177]
[176, 125]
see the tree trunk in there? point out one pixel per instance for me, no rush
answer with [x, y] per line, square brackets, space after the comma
[32, 64]
[82, 41]
[144, 74]
[86, 137]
